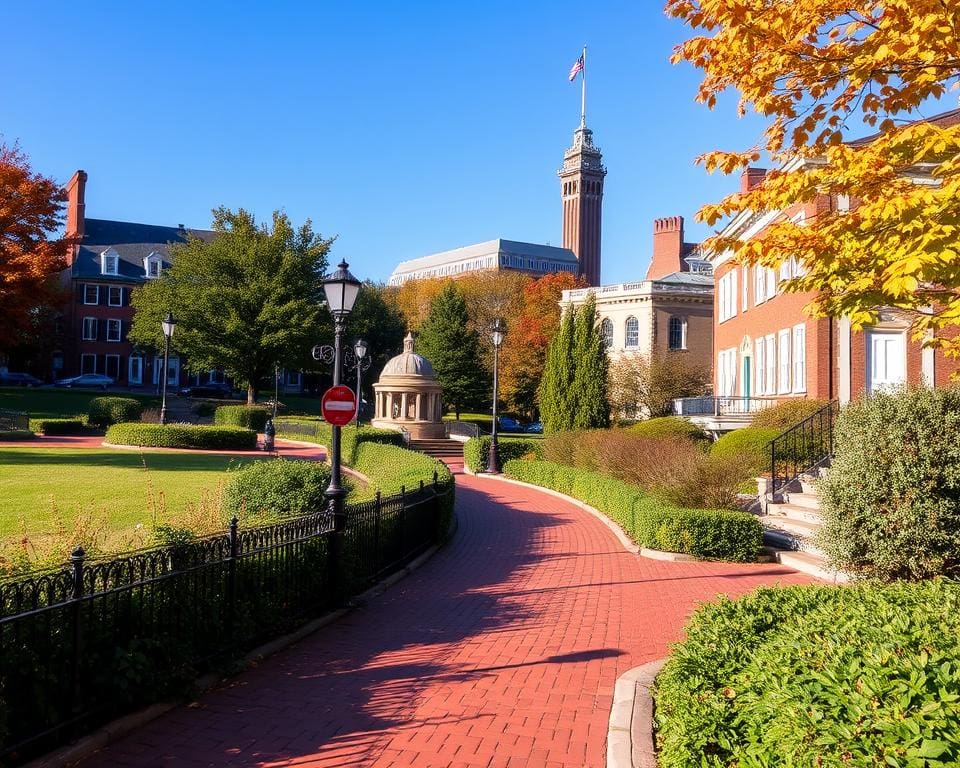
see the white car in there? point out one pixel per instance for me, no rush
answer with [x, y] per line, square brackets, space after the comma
[95, 380]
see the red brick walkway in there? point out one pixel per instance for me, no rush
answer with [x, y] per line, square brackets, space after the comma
[502, 650]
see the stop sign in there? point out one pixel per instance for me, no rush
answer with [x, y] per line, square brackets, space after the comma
[338, 406]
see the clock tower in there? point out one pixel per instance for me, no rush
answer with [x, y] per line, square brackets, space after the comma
[581, 190]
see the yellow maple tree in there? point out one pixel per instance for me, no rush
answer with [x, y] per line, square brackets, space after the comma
[826, 72]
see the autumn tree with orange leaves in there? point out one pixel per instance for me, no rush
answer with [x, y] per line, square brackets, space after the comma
[826, 72]
[30, 211]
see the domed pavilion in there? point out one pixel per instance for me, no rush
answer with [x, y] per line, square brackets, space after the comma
[408, 396]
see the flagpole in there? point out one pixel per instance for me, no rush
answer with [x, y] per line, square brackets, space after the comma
[583, 91]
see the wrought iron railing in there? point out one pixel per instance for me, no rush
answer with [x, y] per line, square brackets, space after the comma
[461, 429]
[802, 448]
[722, 406]
[87, 642]
[14, 420]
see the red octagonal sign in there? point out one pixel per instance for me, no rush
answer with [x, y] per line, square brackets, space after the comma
[338, 406]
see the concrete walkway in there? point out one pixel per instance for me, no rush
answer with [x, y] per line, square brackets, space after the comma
[503, 650]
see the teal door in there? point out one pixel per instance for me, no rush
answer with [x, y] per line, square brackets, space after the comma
[745, 382]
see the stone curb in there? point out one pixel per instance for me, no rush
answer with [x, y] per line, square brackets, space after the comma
[630, 731]
[117, 729]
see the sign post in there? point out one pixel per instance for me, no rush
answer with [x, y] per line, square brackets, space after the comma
[338, 406]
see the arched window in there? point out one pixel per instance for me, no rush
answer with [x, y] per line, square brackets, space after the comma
[678, 333]
[606, 332]
[631, 332]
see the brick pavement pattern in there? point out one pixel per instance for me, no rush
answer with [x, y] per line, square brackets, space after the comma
[502, 650]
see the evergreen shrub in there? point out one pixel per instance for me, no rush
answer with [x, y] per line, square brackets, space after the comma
[182, 436]
[104, 411]
[669, 426]
[279, 487]
[891, 501]
[749, 446]
[16, 434]
[477, 450]
[857, 676]
[248, 416]
[787, 413]
[652, 522]
[58, 426]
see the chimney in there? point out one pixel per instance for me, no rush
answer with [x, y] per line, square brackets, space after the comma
[76, 207]
[750, 178]
[667, 248]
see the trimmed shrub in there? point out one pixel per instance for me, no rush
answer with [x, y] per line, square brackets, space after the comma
[58, 426]
[891, 502]
[669, 426]
[707, 534]
[182, 436]
[16, 434]
[477, 450]
[247, 416]
[317, 431]
[787, 414]
[816, 676]
[748, 446]
[104, 411]
[279, 487]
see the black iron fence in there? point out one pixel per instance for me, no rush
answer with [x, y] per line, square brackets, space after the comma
[802, 448]
[86, 643]
[14, 420]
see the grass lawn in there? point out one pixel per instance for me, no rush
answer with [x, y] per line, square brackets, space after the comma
[56, 403]
[42, 489]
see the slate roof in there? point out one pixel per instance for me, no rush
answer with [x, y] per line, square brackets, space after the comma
[488, 248]
[133, 242]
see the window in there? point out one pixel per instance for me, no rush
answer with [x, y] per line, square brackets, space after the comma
[112, 366]
[770, 358]
[632, 332]
[91, 294]
[606, 332]
[783, 362]
[678, 333]
[109, 262]
[746, 291]
[89, 329]
[800, 358]
[728, 295]
[88, 363]
[153, 266]
[113, 330]
[726, 372]
[760, 367]
[115, 296]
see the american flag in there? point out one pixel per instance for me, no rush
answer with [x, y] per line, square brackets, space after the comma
[577, 68]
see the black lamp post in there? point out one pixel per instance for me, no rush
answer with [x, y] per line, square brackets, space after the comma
[360, 349]
[496, 336]
[169, 325]
[341, 289]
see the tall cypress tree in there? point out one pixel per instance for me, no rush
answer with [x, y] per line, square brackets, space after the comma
[453, 349]
[554, 393]
[590, 406]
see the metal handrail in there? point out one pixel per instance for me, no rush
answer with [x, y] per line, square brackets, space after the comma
[461, 429]
[804, 447]
[733, 405]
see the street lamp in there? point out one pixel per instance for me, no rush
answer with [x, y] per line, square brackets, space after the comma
[497, 332]
[360, 348]
[169, 325]
[341, 289]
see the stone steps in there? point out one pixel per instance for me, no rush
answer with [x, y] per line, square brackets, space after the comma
[438, 449]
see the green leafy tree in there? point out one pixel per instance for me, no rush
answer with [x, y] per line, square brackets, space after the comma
[556, 386]
[245, 301]
[573, 391]
[448, 342]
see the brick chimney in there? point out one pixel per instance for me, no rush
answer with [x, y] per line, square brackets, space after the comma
[750, 178]
[667, 248]
[76, 208]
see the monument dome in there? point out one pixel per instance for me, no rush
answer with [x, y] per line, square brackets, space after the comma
[408, 396]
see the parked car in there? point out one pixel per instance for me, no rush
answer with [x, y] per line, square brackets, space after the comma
[94, 380]
[508, 424]
[11, 379]
[535, 429]
[212, 390]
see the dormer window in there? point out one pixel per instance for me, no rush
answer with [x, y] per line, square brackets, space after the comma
[109, 262]
[152, 265]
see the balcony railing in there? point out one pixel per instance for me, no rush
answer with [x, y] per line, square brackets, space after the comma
[722, 406]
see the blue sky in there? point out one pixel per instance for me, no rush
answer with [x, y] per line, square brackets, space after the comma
[402, 128]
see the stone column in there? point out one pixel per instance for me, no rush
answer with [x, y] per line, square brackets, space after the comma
[403, 406]
[418, 405]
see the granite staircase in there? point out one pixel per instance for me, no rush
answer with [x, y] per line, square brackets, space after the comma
[442, 448]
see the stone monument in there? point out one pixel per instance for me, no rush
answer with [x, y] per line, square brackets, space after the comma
[407, 396]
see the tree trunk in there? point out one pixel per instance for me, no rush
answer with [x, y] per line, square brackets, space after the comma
[251, 395]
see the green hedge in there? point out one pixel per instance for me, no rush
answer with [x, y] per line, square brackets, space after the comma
[58, 426]
[16, 434]
[669, 426]
[477, 449]
[183, 436]
[316, 431]
[707, 534]
[787, 414]
[104, 411]
[749, 445]
[276, 487]
[854, 676]
[247, 416]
